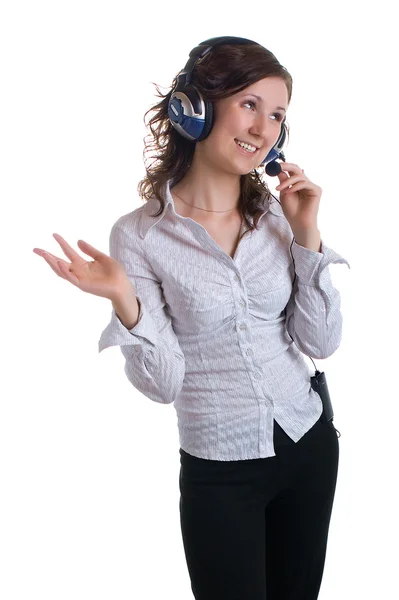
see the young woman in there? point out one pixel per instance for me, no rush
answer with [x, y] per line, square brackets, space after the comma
[216, 290]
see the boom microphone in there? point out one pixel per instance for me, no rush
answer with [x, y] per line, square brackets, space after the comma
[273, 168]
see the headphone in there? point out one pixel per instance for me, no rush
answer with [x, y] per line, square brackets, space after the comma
[192, 116]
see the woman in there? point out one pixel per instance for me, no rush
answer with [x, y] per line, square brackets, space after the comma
[208, 316]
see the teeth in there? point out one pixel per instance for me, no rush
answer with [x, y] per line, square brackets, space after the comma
[246, 146]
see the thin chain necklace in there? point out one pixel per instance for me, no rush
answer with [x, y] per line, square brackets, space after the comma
[207, 210]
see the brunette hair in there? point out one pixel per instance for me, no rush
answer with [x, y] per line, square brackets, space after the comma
[225, 70]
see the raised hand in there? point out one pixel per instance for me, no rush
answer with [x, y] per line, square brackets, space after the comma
[104, 276]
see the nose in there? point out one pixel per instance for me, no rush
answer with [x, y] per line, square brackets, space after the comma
[265, 128]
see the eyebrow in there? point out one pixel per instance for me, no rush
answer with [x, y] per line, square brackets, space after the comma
[261, 100]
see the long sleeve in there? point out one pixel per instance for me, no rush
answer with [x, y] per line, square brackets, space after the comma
[313, 313]
[155, 364]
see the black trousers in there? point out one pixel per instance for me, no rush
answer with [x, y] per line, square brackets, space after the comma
[257, 529]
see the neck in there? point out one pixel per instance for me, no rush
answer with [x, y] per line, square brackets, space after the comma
[206, 191]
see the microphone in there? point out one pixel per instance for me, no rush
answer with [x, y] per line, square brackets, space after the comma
[273, 168]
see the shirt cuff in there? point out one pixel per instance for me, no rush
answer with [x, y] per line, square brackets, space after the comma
[309, 265]
[143, 334]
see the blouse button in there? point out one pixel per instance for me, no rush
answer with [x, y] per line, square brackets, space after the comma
[243, 326]
[250, 351]
[258, 376]
[242, 303]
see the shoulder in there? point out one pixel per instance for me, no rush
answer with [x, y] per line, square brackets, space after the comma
[137, 221]
[275, 208]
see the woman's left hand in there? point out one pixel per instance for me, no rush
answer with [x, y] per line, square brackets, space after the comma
[300, 203]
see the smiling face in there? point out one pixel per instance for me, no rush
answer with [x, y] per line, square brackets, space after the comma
[248, 119]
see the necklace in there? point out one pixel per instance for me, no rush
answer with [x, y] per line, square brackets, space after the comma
[207, 210]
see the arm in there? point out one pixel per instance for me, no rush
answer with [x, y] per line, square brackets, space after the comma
[313, 315]
[127, 308]
[154, 362]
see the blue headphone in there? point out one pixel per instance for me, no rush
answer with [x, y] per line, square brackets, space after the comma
[191, 115]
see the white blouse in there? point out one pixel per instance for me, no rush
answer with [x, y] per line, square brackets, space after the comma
[212, 335]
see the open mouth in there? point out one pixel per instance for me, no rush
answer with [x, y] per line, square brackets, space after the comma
[248, 149]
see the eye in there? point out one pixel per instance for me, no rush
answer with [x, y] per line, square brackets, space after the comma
[279, 116]
[250, 102]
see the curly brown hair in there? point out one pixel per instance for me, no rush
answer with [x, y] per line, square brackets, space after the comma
[173, 153]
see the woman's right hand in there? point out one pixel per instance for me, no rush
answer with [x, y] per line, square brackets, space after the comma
[104, 276]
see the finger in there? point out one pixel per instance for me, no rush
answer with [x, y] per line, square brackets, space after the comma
[68, 250]
[301, 185]
[291, 167]
[289, 181]
[282, 177]
[53, 264]
[68, 275]
[90, 250]
[44, 253]
[305, 185]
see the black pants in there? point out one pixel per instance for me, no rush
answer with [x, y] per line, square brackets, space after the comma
[257, 529]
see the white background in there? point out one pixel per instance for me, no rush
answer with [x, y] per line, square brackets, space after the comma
[89, 467]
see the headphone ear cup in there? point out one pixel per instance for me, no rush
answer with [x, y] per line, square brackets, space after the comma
[187, 112]
[208, 121]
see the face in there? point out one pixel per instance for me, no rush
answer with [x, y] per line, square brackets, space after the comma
[248, 119]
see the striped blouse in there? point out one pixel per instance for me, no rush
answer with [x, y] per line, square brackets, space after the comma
[222, 337]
